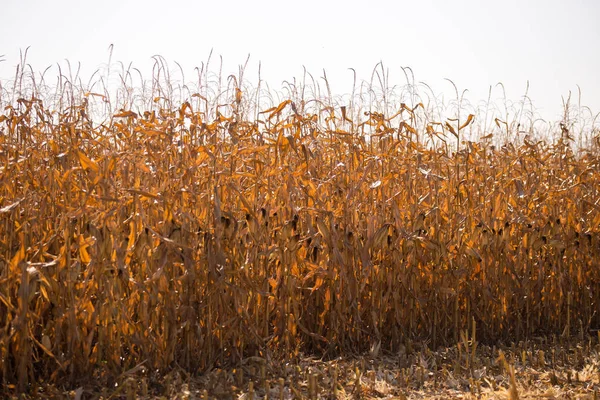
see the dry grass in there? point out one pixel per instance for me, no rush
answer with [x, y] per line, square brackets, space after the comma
[196, 234]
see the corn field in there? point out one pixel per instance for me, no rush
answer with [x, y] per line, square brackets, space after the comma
[200, 230]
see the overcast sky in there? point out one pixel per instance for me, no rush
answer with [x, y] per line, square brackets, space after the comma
[555, 45]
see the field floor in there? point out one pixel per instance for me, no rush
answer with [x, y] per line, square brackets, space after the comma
[526, 371]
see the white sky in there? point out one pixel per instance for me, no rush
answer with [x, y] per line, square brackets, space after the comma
[553, 44]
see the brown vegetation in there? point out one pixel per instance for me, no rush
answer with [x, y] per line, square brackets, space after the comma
[195, 236]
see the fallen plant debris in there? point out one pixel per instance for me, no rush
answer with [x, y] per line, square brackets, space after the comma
[563, 370]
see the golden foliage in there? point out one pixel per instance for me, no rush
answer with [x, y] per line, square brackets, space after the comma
[166, 237]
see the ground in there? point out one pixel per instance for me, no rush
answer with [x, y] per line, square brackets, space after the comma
[546, 369]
